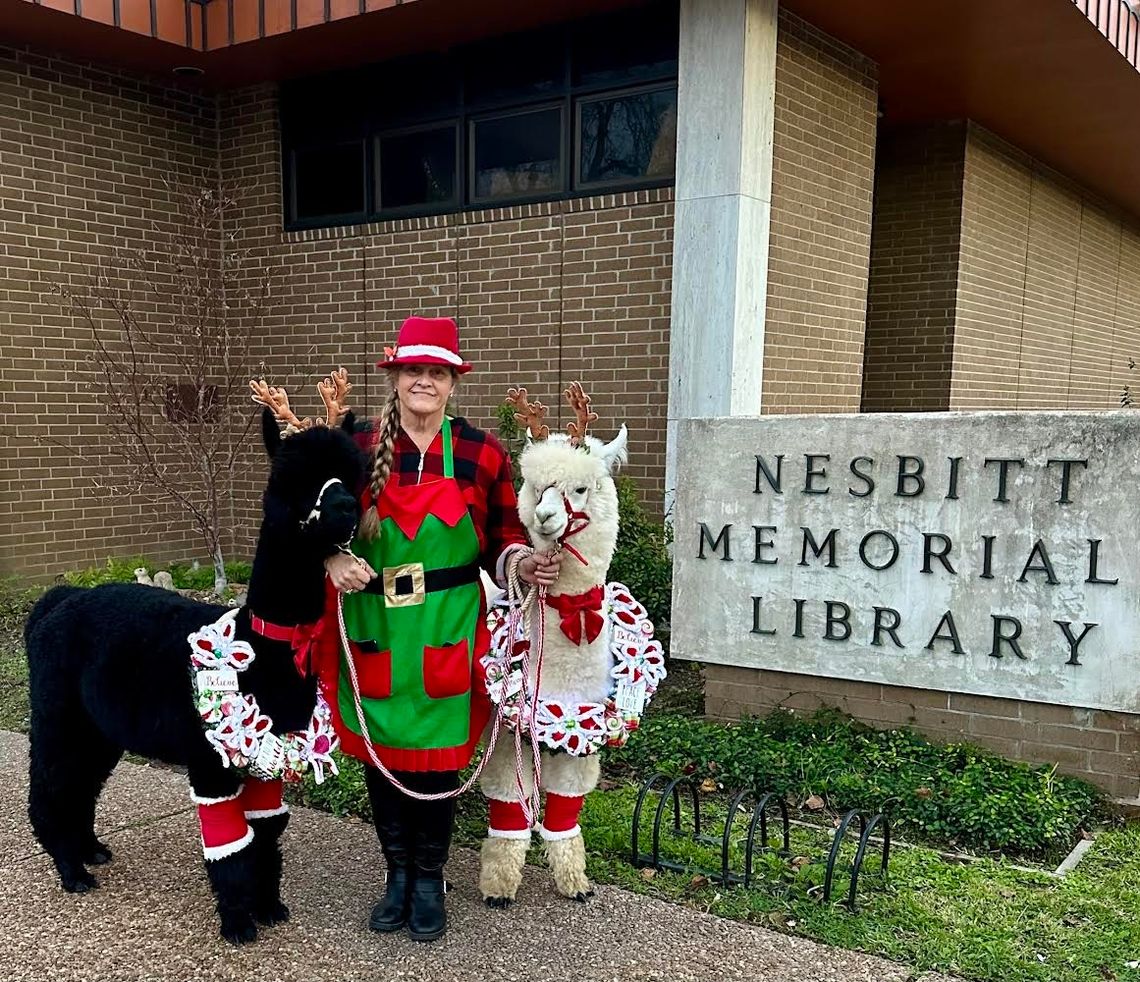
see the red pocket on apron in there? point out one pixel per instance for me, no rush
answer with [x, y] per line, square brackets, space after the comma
[373, 669]
[447, 670]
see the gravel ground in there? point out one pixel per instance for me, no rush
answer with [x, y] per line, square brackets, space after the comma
[153, 918]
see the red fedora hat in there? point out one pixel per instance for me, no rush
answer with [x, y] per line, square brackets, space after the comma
[426, 341]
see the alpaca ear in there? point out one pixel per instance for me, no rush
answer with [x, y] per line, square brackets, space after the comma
[615, 453]
[348, 422]
[270, 431]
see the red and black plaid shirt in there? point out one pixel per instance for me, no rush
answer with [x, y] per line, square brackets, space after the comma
[483, 472]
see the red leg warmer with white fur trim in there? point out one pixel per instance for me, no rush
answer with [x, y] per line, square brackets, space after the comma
[561, 818]
[508, 820]
[262, 799]
[224, 828]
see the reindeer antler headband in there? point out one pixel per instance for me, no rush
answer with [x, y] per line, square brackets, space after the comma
[580, 403]
[531, 414]
[334, 389]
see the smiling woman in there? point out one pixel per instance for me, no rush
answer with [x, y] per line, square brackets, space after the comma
[410, 618]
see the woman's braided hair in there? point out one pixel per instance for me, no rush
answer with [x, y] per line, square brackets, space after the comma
[382, 466]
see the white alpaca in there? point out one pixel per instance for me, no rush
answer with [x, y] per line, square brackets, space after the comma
[598, 664]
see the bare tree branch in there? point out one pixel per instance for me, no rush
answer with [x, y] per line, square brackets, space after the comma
[172, 329]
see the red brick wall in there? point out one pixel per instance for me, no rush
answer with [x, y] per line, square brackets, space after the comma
[85, 157]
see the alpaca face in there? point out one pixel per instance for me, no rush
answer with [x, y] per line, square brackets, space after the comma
[561, 482]
[312, 486]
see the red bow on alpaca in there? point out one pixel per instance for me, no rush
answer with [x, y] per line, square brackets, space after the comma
[302, 638]
[578, 611]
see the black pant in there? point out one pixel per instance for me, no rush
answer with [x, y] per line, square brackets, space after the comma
[413, 833]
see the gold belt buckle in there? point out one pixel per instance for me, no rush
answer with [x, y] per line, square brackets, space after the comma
[404, 585]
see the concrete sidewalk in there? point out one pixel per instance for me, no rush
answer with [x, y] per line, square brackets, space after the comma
[152, 917]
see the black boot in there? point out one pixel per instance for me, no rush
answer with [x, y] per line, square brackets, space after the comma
[268, 907]
[427, 916]
[390, 912]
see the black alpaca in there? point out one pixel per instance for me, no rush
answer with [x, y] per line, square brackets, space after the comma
[109, 671]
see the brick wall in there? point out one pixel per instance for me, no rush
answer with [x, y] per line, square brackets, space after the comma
[1049, 299]
[85, 155]
[1096, 745]
[822, 182]
[913, 288]
[544, 295]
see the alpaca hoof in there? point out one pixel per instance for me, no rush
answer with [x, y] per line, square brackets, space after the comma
[240, 932]
[276, 913]
[98, 855]
[81, 882]
[583, 896]
[498, 903]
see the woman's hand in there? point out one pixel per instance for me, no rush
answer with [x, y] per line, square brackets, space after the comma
[541, 568]
[349, 573]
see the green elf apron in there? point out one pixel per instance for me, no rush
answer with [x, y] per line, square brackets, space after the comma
[412, 632]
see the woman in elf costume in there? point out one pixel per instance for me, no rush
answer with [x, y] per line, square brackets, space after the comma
[440, 506]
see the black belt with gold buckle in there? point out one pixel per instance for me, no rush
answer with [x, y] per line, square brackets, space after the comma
[409, 583]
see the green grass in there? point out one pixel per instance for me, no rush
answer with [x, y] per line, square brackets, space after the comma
[14, 606]
[986, 920]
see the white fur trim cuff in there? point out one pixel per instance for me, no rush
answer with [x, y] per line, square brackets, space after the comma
[556, 836]
[428, 351]
[508, 834]
[221, 852]
[267, 812]
[199, 800]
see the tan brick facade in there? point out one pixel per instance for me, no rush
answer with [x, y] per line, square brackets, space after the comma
[822, 181]
[1045, 287]
[544, 293]
[1048, 293]
[912, 299]
[84, 157]
[1099, 746]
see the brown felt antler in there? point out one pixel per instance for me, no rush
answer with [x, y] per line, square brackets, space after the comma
[580, 403]
[334, 390]
[277, 400]
[530, 414]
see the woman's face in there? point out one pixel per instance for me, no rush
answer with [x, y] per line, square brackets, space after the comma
[424, 389]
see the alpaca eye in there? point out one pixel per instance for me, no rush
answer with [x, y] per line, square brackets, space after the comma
[580, 490]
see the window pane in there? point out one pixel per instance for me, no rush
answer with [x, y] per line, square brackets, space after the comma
[329, 180]
[518, 155]
[629, 138]
[523, 66]
[417, 168]
[411, 89]
[621, 48]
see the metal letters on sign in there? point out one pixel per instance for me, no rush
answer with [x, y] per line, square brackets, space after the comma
[989, 553]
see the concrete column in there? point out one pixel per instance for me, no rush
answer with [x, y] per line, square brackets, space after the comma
[726, 104]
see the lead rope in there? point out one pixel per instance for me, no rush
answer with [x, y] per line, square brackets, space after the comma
[529, 803]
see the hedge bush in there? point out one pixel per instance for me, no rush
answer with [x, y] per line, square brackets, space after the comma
[953, 795]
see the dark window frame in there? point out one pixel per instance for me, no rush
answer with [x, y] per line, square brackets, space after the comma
[476, 203]
[417, 211]
[329, 221]
[586, 188]
[568, 97]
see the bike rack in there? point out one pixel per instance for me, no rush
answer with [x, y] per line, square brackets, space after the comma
[672, 790]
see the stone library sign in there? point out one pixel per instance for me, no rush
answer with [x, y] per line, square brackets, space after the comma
[987, 553]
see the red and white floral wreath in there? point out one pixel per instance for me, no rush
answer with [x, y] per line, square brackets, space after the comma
[579, 727]
[236, 727]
